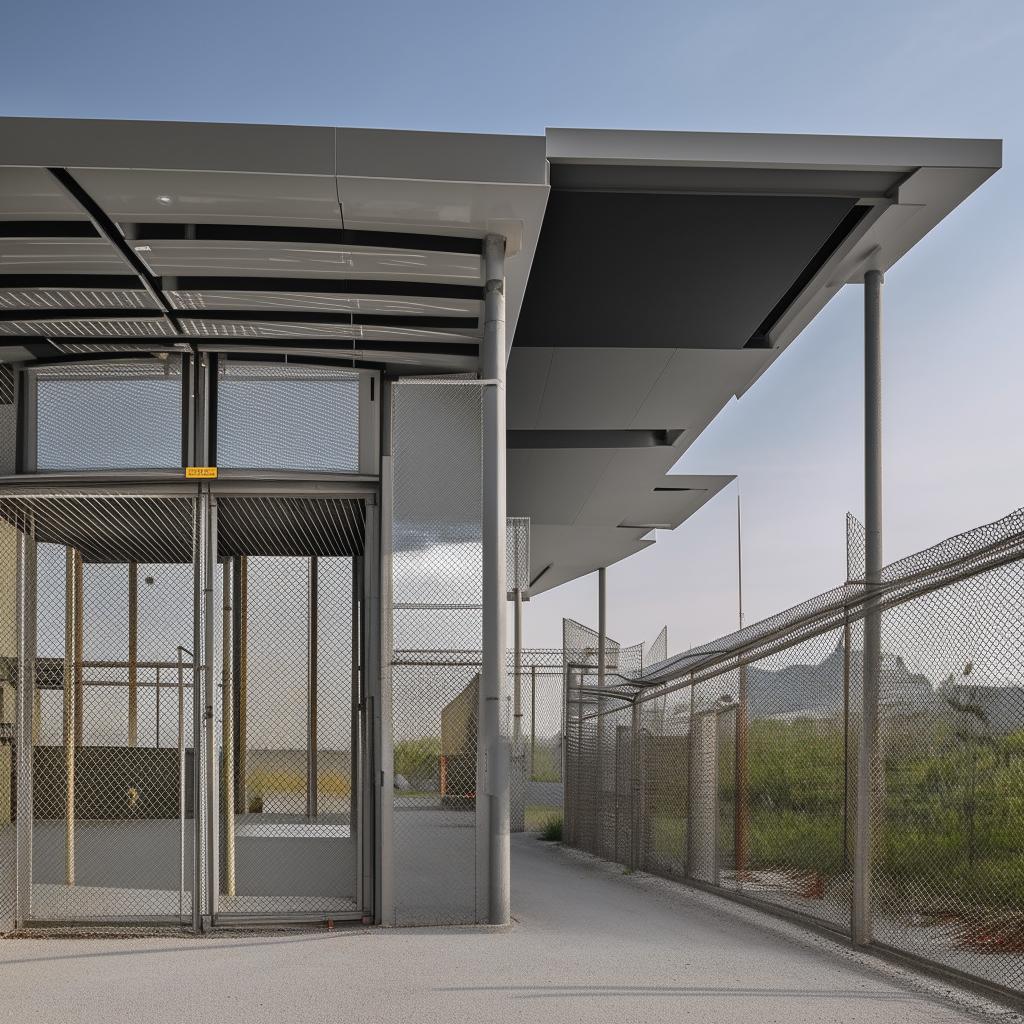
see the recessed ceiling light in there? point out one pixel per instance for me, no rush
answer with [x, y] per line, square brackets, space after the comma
[166, 200]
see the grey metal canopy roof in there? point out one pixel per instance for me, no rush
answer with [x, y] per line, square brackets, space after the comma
[652, 275]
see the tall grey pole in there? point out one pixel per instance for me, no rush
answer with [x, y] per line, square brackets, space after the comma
[227, 727]
[495, 748]
[26, 571]
[868, 752]
[209, 723]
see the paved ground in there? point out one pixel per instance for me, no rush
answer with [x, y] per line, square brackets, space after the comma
[589, 945]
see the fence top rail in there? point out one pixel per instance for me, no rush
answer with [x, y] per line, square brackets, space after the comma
[961, 556]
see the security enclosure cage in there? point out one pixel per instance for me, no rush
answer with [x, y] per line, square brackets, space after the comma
[186, 668]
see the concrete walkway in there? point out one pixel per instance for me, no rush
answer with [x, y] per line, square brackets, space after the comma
[589, 945]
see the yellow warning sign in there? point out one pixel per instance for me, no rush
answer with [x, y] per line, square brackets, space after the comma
[201, 472]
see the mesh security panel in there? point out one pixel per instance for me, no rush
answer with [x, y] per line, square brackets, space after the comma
[288, 417]
[109, 416]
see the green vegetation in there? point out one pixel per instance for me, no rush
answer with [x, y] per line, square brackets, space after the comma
[547, 764]
[952, 803]
[418, 758]
[551, 829]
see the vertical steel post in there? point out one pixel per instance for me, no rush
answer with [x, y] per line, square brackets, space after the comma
[197, 712]
[212, 806]
[493, 362]
[227, 716]
[868, 751]
[133, 654]
[70, 717]
[241, 680]
[181, 783]
[741, 783]
[312, 672]
[26, 709]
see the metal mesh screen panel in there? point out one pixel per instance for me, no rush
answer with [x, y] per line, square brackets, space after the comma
[109, 416]
[288, 417]
[292, 844]
[437, 594]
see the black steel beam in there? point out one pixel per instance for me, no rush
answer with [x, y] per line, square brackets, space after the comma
[108, 229]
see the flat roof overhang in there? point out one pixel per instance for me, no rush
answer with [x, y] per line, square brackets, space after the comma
[652, 275]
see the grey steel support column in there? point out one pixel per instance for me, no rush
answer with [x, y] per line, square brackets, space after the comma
[742, 776]
[26, 611]
[197, 714]
[494, 746]
[868, 752]
[133, 654]
[227, 719]
[212, 806]
[378, 638]
[312, 673]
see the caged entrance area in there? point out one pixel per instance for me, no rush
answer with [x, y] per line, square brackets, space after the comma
[180, 735]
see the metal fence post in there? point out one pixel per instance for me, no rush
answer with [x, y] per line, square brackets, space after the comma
[70, 713]
[227, 787]
[212, 808]
[26, 611]
[861, 910]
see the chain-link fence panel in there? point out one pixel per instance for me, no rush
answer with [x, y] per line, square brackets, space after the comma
[288, 835]
[785, 834]
[663, 796]
[437, 592]
[768, 722]
[947, 867]
[108, 824]
[9, 637]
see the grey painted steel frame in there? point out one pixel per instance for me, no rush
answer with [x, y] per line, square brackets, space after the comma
[373, 857]
[867, 769]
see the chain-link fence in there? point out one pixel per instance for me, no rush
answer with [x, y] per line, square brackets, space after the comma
[736, 764]
[140, 782]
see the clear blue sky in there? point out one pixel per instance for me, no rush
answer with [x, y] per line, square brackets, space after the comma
[954, 361]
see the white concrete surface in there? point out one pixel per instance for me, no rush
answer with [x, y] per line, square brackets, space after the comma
[588, 945]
